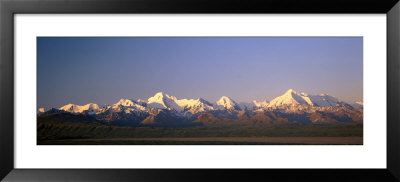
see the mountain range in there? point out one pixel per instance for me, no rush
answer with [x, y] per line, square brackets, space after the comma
[166, 110]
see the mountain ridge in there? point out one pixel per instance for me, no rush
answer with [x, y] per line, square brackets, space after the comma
[162, 100]
[164, 109]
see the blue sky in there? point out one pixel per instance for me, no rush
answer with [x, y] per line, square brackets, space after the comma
[102, 70]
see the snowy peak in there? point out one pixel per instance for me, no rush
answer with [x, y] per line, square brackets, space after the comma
[91, 108]
[260, 104]
[195, 105]
[160, 95]
[125, 102]
[127, 105]
[41, 110]
[290, 91]
[70, 108]
[163, 101]
[227, 103]
[192, 102]
[157, 101]
[293, 98]
[290, 98]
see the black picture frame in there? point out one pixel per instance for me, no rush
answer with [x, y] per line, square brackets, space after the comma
[9, 8]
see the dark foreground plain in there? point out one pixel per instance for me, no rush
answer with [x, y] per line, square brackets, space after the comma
[212, 141]
[79, 133]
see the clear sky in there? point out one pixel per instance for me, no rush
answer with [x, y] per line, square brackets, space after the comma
[102, 70]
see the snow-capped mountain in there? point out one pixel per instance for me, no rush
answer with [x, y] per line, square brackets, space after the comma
[324, 100]
[125, 102]
[163, 101]
[195, 105]
[260, 104]
[164, 109]
[292, 98]
[91, 108]
[227, 103]
[41, 110]
[127, 106]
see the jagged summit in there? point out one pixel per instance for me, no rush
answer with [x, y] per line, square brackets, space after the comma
[160, 95]
[227, 103]
[125, 102]
[293, 98]
[127, 105]
[73, 108]
[291, 91]
[194, 106]
[260, 104]
[290, 98]
[163, 101]
[225, 99]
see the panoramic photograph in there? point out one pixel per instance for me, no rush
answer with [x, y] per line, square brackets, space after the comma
[199, 91]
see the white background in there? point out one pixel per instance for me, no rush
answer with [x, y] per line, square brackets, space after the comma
[370, 155]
